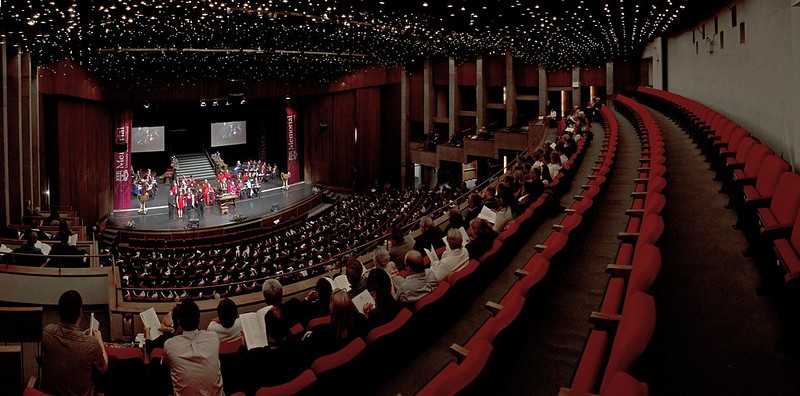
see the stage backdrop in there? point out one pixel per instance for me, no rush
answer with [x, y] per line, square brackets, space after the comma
[122, 160]
[292, 162]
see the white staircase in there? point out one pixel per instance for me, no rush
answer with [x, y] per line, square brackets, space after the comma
[196, 165]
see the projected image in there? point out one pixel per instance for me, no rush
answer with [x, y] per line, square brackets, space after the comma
[228, 133]
[147, 139]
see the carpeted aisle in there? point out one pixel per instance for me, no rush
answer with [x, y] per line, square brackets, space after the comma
[714, 334]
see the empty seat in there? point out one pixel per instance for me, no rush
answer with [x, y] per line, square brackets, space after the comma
[780, 214]
[455, 377]
[788, 252]
[293, 387]
[627, 280]
[769, 174]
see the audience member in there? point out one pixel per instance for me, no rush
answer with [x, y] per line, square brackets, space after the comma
[475, 205]
[399, 245]
[455, 220]
[505, 213]
[383, 260]
[452, 259]
[346, 324]
[355, 275]
[418, 283]
[316, 304]
[489, 199]
[227, 324]
[430, 235]
[193, 356]
[70, 357]
[63, 248]
[483, 237]
[386, 307]
[29, 248]
[53, 219]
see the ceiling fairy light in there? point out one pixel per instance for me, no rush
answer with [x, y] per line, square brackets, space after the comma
[134, 42]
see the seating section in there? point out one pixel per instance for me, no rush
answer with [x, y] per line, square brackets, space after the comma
[763, 190]
[472, 357]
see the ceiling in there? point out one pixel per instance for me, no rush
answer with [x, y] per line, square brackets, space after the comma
[136, 42]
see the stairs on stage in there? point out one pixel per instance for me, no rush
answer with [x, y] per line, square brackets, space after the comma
[196, 165]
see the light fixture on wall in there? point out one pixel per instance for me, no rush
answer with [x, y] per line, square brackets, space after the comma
[203, 103]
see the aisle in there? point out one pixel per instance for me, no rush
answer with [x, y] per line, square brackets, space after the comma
[714, 334]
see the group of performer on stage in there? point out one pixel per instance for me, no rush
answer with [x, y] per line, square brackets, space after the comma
[190, 194]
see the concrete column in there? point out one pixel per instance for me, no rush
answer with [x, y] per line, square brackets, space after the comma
[25, 122]
[428, 101]
[4, 196]
[480, 92]
[511, 91]
[405, 164]
[576, 91]
[15, 142]
[609, 79]
[454, 98]
[542, 91]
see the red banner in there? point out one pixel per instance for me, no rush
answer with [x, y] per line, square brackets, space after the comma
[122, 162]
[293, 162]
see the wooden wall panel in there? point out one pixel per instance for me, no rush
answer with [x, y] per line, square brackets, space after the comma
[368, 122]
[526, 75]
[343, 130]
[593, 75]
[467, 74]
[416, 98]
[495, 70]
[391, 159]
[84, 162]
[559, 79]
[441, 72]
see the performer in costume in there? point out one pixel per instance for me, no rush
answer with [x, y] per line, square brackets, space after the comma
[143, 197]
[181, 202]
[285, 177]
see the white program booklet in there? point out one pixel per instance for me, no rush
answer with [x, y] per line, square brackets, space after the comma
[150, 319]
[361, 299]
[488, 215]
[93, 323]
[73, 240]
[341, 282]
[45, 247]
[432, 254]
[255, 334]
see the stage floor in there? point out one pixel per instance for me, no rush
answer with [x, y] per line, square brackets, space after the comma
[157, 217]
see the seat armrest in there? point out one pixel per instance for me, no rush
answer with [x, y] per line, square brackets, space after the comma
[628, 237]
[605, 321]
[540, 248]
[778, 231]
[643, 180]
[570, 392]
[619, 271]
[635, 212]
[493, 307]
[762, 202]
[459, 352]
[639, 194]
[521, 273]
[556, 227]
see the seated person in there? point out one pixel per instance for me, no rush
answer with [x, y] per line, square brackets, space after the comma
[489, 199]
[483, 237]
[346, 324]
[65, 249]
[475, 205]
[453, 259]
[28, 248]
[193, 355]
[355, 275]
[455, 220]
[430, 235]
[317, 302]
[226, 325]
[399, 245]
[386, 307]
[419, 282]
[283, 359]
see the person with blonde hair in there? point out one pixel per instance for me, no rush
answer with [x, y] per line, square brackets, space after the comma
[452, 259]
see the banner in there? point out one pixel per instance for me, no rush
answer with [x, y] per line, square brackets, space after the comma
[122, 162]
[293, 162]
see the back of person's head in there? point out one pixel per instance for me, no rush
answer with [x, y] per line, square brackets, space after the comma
[227, 312]
[70, 306]
[343, 314]
[324, 290]
[354, 270]
[414, 261]
[381, 257]
[397, 234]
[456, 219]
[454, 238]
[378, 282]
[425, 223]
[474, 199]
[188, 315]
[276, 324]
[32, 238]
[478, 227]
[273, 292]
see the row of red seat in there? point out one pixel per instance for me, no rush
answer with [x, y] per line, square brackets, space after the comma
[762, 188]
[472, 358]
[625, 322]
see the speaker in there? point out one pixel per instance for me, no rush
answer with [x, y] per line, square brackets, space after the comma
[194, 223]
[275, 207]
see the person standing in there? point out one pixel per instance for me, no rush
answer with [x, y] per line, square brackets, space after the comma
[71, 356]
[171, 203]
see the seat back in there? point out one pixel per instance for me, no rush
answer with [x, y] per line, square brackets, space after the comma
[656, 184]
[646, 266]
[454, 380]
[771, 171]
[633, 335]
[455, 277]
[339, 358]
[786, 201]
[654, 203]
[755, 159]
[737, 137]
[651, 229]
[293, 387]
[794, 239]
[745, 146]
[231, 347]
[394, 325]
[623, 383]
[432, 297]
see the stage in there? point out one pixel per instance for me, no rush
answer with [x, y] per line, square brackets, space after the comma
[157, 217]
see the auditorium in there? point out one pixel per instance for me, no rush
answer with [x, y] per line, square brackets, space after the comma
[419, 197]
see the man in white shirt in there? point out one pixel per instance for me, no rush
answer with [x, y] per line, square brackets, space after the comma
[193, 356]
[452, 259]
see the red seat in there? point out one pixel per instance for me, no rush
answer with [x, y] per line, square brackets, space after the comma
[432, 297]
[339, 358]
[771, 171]
[232, 346]
[784, 205]
[752, 164]
[455, 277]
[788, 251]
[394, 325]
[455, 377]
[633, 335]
[318, 321]
[623, 384]
[125, 353]
[33, 392]
[741, 154]
[645, 269]
[293, 387]
[553, 245]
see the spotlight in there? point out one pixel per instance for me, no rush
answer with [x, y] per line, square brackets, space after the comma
[288, 97]
[215, 103]
[227, 103]
[146, 105]
[202, 103]
[243, 101]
